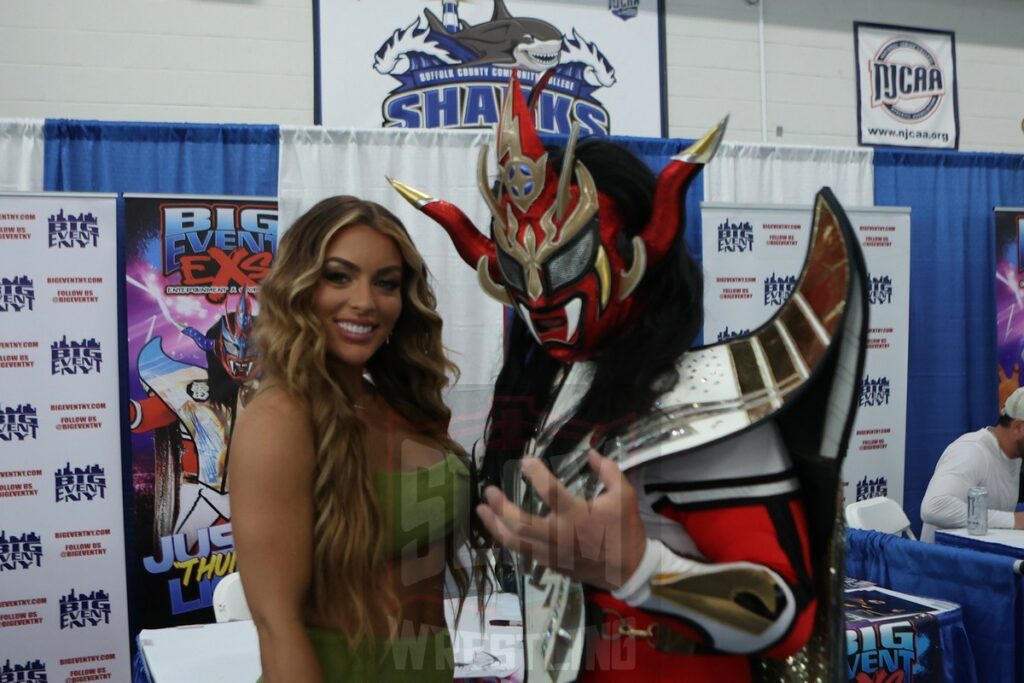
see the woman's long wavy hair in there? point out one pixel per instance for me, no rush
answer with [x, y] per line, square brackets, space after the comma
[349, 556]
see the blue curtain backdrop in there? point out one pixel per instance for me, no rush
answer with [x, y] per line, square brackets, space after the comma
[952, 376]
[952, 372]
[952, 365]
[93, 156]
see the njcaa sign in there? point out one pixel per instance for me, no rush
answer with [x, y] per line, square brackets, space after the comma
[906, 87]
[445, 64]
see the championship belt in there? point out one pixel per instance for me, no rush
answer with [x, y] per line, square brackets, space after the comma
[806, 360]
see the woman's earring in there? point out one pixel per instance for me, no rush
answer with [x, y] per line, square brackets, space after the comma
[387, 339]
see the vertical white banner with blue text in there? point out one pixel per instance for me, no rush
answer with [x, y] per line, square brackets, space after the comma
[444, 64]
[752, 258]
[63, 603]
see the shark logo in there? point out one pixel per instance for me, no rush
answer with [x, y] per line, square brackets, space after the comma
[451, 73]
[531, 44]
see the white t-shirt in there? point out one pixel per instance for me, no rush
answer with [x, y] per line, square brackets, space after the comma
[974, 459]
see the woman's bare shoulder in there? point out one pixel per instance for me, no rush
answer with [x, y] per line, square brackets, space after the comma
[275, 400]
[272, 420]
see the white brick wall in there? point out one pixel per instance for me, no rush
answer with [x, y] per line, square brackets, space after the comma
[713, 67]
[248, 61]
[251, 61]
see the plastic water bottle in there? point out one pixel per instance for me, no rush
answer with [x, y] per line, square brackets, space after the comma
[977, 511]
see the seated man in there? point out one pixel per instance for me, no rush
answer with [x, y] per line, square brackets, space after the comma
[989, 457]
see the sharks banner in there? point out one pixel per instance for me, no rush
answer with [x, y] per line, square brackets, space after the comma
[445, 64]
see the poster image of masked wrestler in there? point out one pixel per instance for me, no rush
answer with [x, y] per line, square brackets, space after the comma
[184, 419]
[192, 271]
[677, 517]
[191, 409]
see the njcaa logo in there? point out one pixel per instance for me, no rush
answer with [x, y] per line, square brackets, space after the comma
[874, 392]
[451, 74]
[72, 358]
[624, 9]
[73, 231]
[778, 288]
[80, 483]
[732, 334]
[880, 290]
[20, 552]
[906, 80]
[20, 422]
[81, 610]
[29, 672]
[735, 236]
[16, 294]
[872, 488]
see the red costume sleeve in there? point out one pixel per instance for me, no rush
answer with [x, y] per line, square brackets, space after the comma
[150, 413]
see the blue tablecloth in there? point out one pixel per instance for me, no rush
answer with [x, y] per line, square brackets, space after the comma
[986, 587]
[983, 544]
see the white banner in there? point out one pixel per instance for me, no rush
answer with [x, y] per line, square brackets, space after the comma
[63, 603]
[906, 86]
[442, 64]
[752, 257]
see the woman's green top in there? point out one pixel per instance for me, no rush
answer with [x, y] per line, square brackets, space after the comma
[424, 659]
[423, 507]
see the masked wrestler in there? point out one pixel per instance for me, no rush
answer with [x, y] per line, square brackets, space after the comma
[191, 410]
[686, 551]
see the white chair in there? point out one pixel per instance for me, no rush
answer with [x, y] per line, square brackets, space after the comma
[229, 600]
[879, 514]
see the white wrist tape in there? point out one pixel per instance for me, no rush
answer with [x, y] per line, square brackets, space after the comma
[657, 559]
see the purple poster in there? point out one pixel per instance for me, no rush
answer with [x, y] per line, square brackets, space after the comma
[192, 271]
[1009, 299]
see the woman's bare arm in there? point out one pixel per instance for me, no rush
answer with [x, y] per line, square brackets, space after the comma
[271, 469]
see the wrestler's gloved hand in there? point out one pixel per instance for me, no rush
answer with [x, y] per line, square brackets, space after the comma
[599, 542]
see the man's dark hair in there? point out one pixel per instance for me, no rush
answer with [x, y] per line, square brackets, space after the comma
[223, 387]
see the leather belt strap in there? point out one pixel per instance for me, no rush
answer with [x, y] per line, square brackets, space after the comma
[658, 636]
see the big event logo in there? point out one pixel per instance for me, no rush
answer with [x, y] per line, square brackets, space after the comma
[452, 74]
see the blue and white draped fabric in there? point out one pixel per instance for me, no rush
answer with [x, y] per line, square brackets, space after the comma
[747, 173]
[21, 155]
[952, 346]
[94, 156]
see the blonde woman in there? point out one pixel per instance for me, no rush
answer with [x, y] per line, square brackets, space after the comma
[349, 497]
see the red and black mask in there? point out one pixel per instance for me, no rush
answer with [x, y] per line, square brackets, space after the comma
[235, 347]
[553, 254]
